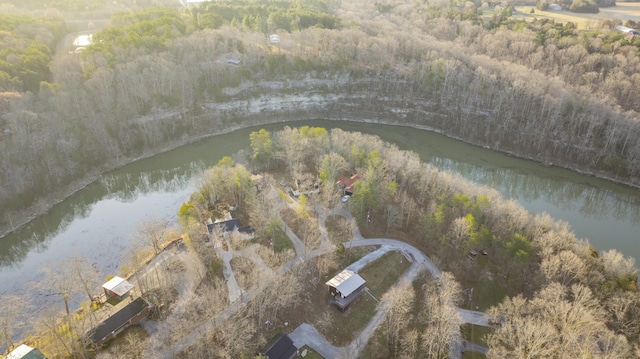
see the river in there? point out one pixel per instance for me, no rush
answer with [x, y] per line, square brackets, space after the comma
[97, 222]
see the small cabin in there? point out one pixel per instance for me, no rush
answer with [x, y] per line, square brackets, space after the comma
[345, 287]
[117, 288]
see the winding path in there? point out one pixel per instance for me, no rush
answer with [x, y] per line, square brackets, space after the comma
[306, 334]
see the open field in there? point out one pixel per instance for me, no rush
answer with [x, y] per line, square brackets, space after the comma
[622, 12]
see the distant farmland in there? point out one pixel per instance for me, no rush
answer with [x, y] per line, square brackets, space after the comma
[622, 12]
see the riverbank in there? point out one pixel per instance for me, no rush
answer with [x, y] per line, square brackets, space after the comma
[251, 113]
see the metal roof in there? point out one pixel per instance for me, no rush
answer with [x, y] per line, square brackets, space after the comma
[118, 285]
[346, 282]
[25, 352]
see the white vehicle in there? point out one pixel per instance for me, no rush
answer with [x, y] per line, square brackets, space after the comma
[345, 198]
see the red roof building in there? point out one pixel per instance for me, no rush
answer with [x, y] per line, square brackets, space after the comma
[346, 184]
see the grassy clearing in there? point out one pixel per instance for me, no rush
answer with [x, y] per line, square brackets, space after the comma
[475, 334]
[281, 242]
[341, 328]
[627, 11]
[582, 21]
[473, 355]
[485, 295]
[383, 273]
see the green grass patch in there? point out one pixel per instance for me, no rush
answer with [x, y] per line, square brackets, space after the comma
[341, 328]
[311, 354]
[486, 293]
[475, 333]
[473, 355]
[280, 241]
[384, 272]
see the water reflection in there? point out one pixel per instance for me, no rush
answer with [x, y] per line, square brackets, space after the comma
[573, 197]
[588, 200]
[124, 187]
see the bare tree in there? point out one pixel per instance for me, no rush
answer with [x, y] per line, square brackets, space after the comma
[152, 233]
[558, 321]
[60, 280]
[565, 267]
[440, 316]
[400, 303]
[87, 274]
[12, 312]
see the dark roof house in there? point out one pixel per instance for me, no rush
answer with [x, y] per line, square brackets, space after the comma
[282, 348]
[229, 225]
[131, 314]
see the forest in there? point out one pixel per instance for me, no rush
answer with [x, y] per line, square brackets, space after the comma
[558, 297]
[159, 78]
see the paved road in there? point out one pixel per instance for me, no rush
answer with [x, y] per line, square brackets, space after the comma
[362, 262]
[307, 334]
[475, 318]
[473, 347]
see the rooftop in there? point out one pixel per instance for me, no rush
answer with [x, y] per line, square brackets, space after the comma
[346, 282]
[226, 226]
[283, 348]
[118, 285]
[25, 352]
[347, 183]
[116, 321]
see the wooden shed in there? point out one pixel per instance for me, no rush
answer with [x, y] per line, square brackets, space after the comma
[117, 288]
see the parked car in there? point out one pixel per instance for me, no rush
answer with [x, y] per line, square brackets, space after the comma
[345, 198]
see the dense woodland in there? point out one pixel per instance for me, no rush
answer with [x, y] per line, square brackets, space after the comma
[159, 78]
[559, 297]
[562, 298]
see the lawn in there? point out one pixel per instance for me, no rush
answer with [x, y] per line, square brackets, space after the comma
[473, 355]
[280, 241]
[384, 272]
[475, 334]
[341, 328]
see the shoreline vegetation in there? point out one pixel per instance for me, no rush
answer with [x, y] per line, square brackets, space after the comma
[535, 89]
[46, 203]
[549, 282]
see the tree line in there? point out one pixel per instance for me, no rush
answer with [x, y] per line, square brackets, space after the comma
[538, 93]
[560, 295]
[26, 48]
